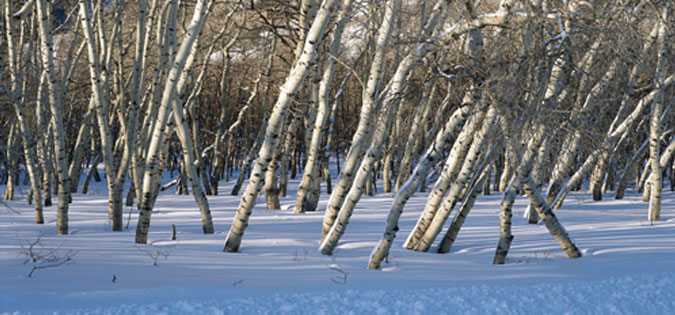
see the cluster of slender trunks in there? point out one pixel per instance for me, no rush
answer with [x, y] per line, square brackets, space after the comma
[527, 110]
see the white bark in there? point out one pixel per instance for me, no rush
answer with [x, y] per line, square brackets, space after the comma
[56, 108]
[311, 172]
[465, 174]
[450, 168]
[505, 214]
[26, 135]
[656, 111]
[288, 90]
[608, 143]
[415, 133]
[549, 218]
[168, 96]
[360, 140]
[481, 175]
[419, 174]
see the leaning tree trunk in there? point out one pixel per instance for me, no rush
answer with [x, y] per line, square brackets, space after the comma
[505, 214]
[361, 137]
[364, 173]
[312, 167]
[467, 171]
[608, 143]
[417, 178]
[169, 95]
[415, 133]
[629, 169]
[481, 176]
[295, 78]
[549, 218]
[450, 168]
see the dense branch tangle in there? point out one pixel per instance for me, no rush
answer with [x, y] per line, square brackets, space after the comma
[525, 96]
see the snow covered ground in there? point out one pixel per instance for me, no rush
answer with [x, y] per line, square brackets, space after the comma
[628, 265]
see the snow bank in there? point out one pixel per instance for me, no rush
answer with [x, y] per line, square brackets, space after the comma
[643, 294]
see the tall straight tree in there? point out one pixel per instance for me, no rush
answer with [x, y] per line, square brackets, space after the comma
[56, 107]
[26, 135]
[656, 111]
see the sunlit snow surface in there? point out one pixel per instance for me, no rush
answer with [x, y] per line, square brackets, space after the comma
[628, 265]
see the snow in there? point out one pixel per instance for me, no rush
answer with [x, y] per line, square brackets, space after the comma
[628, 265]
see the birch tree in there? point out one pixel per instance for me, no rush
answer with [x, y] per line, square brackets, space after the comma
[169, 97]
[311, 173]
[295, 78]
[26, 135]
[656, 111]
[359, 142]
[56, 108]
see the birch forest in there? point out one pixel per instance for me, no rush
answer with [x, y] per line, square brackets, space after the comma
[446, 99]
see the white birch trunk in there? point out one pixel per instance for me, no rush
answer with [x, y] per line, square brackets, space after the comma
[56, 108]
[311, 173]
[288, 90]
[482, 174]
[191, 168]
[170, 91]
[505, 214]
[415, 133]
[465, 174]
[656, 111]
[391, 99]
[360, 139]
[364, 173]
[27, 138]
[450, 168]
[419, 174]
[608, 143]
[549, 218]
